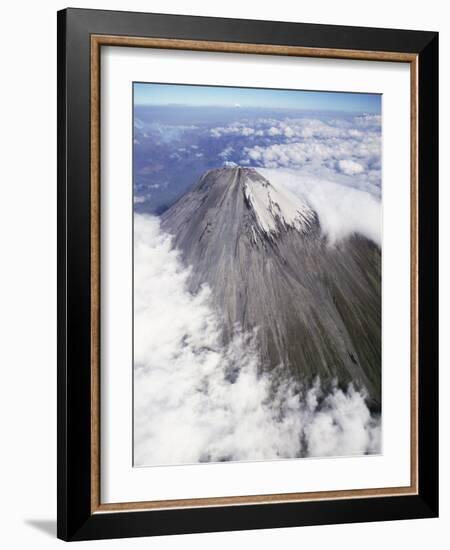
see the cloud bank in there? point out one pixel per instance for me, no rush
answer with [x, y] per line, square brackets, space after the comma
[293, 142]
[342, 210]
[332, 163]
[342, 148]
[198, 400]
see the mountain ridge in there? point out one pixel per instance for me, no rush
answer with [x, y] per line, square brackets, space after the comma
[316, 307]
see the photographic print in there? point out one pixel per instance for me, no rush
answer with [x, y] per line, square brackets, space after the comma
[257, 220]
[247, 274]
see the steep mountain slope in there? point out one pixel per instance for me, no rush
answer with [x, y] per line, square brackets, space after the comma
[316, 307]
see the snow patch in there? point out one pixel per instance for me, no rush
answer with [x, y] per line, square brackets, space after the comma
[341, 210]
[275, 207]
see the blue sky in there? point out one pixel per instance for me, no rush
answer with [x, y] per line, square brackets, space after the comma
[207, 96]
[181, 131]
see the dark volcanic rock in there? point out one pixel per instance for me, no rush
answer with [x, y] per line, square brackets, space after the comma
[261, 250]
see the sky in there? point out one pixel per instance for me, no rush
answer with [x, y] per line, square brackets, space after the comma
[181, 131]
[208, 96]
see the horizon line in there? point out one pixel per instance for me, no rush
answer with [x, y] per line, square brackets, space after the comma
[244, 107]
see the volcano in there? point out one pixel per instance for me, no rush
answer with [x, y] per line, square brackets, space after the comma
[315, 306]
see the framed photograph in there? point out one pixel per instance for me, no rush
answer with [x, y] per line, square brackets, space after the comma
[247, 241]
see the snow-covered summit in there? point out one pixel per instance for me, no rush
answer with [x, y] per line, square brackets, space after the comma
[274, 206]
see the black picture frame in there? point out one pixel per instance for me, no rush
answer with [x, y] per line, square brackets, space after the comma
[76, 521]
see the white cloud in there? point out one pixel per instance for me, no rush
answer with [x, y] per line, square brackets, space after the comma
[342, 147]
[272, 131]
[305, 128]
[237, 129]
[226, 152]
[342, 210]
[350, 167]
[196, 399]
[316, 152]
